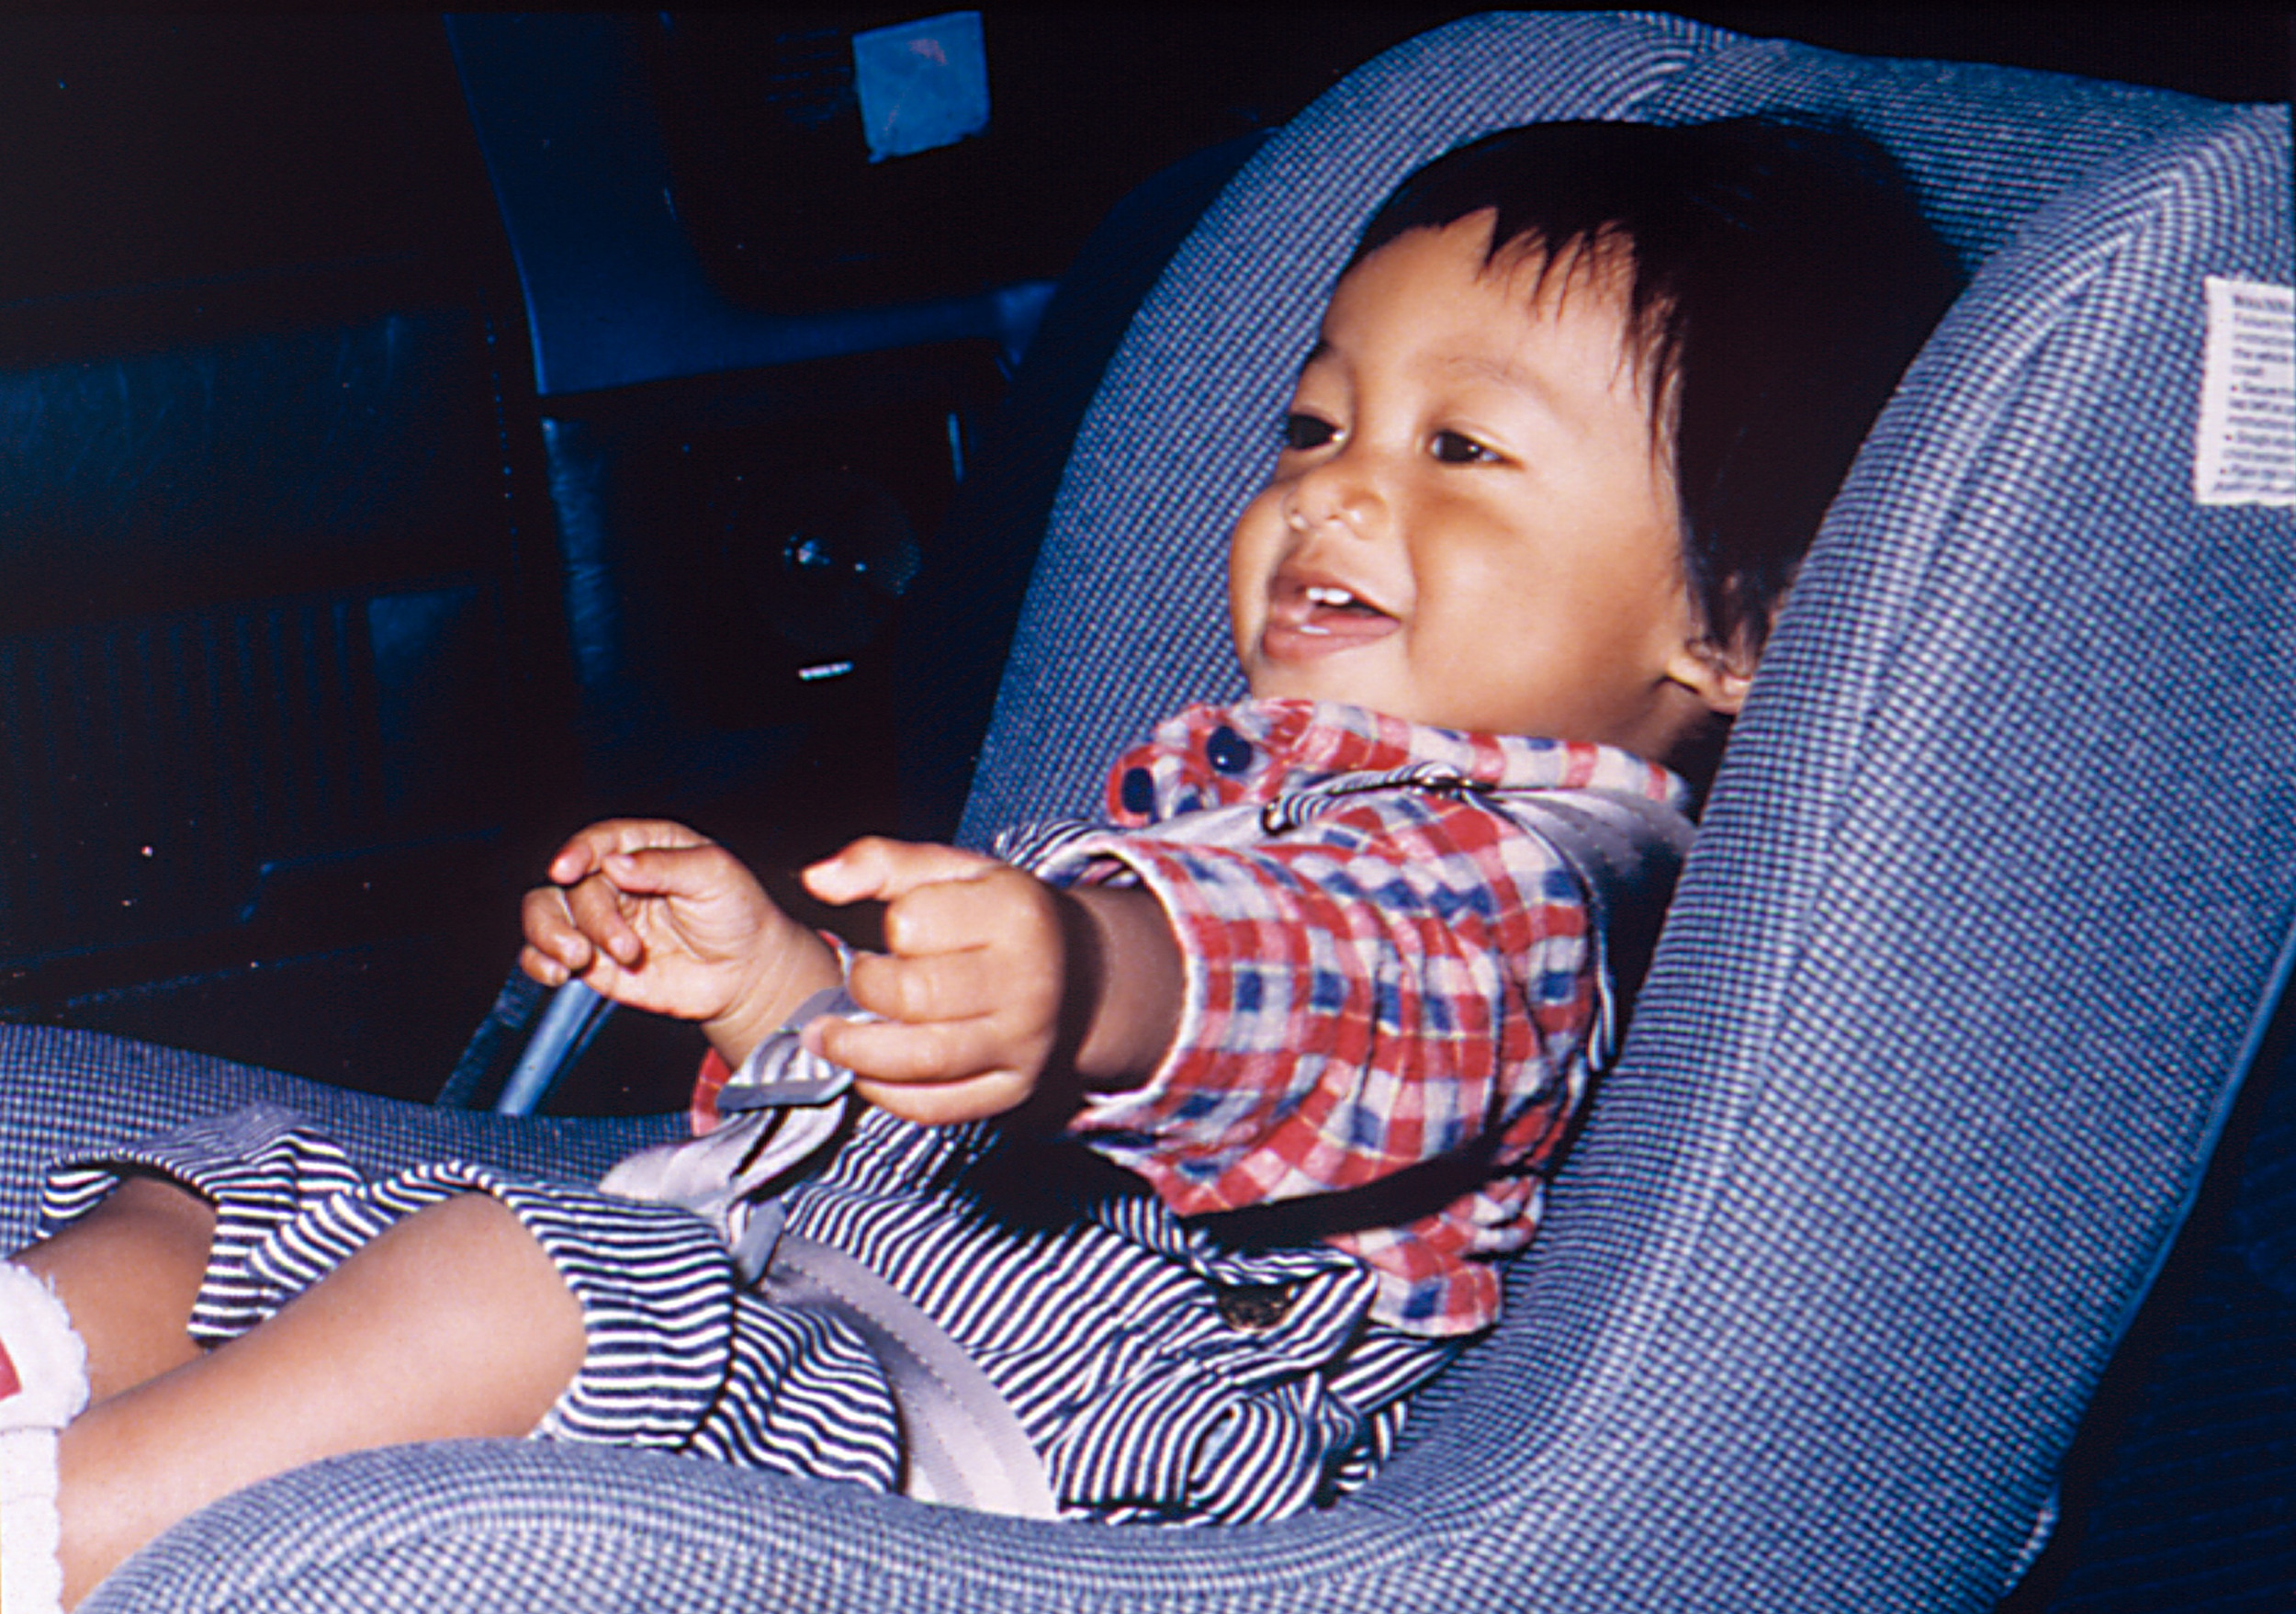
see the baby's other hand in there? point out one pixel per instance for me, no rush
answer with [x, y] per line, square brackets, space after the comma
[971, 985]
[657, 916]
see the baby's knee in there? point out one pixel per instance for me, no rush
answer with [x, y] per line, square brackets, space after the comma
[168, 1208]
[475, 1239]
[160, 1210]
[476, 1270]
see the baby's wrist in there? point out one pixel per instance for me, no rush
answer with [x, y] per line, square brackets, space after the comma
[811, 963]
[1120, 942]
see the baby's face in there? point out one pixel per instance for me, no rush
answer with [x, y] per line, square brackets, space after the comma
[1470, 524]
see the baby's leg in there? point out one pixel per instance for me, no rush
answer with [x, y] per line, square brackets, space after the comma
[127, 1272]
[453, 1322]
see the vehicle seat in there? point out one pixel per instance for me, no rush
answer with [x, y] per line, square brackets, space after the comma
[1988, 922]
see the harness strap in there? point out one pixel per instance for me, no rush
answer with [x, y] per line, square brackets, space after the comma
[965, 1447]
[1624, 851]
[784, 1109]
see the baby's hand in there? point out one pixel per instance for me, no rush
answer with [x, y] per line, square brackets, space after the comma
[656, 916]
[971, 987]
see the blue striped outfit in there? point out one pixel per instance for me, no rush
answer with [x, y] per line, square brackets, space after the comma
[1100, 1314]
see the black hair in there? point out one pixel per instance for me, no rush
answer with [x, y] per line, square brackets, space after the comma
[1782, 280]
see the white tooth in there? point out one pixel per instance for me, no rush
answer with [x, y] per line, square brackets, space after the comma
[1322, 594]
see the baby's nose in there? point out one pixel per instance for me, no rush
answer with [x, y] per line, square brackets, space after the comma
[1343, 489]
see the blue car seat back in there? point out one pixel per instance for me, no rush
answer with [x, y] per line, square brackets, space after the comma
[1991, 909]
[2029, 439]
[1992, 901]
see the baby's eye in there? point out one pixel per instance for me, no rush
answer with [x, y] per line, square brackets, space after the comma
[1457, 448]
[1306, 431]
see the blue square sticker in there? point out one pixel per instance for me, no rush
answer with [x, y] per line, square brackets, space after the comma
[921, 84]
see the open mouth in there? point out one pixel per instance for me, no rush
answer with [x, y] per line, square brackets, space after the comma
[1307, 619]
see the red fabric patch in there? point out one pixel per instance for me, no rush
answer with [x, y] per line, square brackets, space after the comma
[9, 1382]
[703, 1111]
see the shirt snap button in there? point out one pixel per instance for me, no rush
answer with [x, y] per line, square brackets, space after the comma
[1256, 1307]
[1138, 791]
[1228, 751]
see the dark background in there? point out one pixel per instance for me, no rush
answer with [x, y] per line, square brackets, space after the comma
[191, 146]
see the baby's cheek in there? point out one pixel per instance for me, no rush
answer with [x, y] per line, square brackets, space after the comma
[1253, 545]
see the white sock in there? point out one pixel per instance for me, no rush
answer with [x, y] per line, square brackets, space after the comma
[43, 1385]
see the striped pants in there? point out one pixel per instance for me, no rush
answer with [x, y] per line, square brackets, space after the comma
[1161, 1379]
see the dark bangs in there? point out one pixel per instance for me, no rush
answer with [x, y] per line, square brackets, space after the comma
[1779, 280]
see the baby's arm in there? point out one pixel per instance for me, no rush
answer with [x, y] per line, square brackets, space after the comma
[1396, 978]
[995, 980]
[659, 918]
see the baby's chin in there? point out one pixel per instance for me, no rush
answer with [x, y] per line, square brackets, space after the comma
[1280, 683]
[1277, 686]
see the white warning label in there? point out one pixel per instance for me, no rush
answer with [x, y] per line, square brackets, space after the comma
[2246, 453]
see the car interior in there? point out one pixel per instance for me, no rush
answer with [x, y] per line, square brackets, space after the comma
[428, 433]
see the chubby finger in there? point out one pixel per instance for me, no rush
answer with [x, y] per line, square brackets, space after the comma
[602, 975]
[701, 870]
[542, 966]
[555, 946]
[936, 1052]
[920, 988]
[936, 1074]
[587, 849]
[884, 869]
[949, 1103]
[1010, 914]
[598, 971]
[594, 906]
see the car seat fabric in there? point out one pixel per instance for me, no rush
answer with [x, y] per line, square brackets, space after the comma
[1992, 902]
[1993, 899]
[72, 1090]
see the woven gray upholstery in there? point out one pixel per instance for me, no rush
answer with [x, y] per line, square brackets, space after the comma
[1995, 892]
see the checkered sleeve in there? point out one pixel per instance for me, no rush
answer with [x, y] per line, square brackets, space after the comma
[1402, 975]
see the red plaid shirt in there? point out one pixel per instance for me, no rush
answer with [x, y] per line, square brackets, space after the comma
[1381, 969]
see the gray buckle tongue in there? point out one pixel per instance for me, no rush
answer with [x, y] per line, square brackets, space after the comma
[718, 1175]
[779, 1073]
[788, 1094]
[754, 1247]
[779, 1113]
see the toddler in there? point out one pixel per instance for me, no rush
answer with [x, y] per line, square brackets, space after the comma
[1190, 1138]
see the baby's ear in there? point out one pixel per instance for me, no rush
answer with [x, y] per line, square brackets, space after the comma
[1716, 672]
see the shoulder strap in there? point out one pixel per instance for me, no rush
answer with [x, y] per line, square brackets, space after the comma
[1624, 851]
